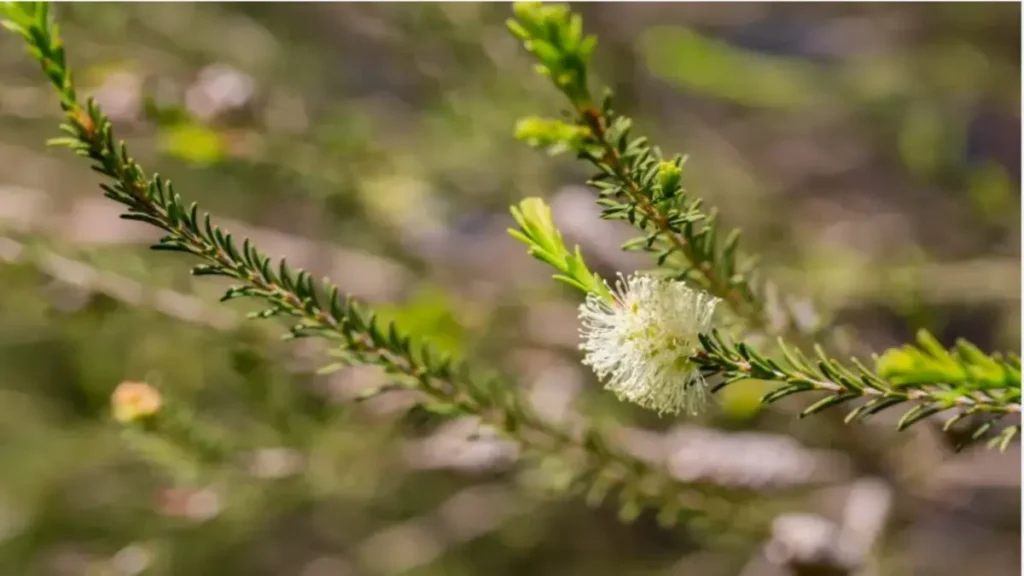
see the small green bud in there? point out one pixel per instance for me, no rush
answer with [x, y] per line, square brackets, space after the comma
[669, 175]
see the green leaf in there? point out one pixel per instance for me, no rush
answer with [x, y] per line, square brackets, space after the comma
[916, 414]
[828, 402]
[539, 233]
[554, 135]
[929, 362]
[719, 69]
[787, 390]
[193, 142]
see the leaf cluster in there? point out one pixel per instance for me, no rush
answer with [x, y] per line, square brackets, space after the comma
[544, 241]
[919, 393]
[635, 181]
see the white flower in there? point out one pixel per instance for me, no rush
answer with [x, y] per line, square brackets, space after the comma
[640, 343]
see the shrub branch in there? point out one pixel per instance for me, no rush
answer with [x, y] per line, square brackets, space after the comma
[318, 309]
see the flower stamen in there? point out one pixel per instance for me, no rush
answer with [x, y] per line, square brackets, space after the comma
[640, 342]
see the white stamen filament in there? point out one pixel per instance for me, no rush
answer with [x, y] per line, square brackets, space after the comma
[640, 343]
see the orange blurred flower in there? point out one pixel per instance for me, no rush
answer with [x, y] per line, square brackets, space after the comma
[134, 400]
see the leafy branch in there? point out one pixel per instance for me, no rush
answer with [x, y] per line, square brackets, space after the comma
[932, 380]
[544, 242]
[318, 309]
[964, 384]
[635, 182]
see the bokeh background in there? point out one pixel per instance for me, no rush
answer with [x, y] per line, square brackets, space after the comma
[870, 152]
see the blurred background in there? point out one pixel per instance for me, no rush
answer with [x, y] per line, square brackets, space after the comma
[870, 153]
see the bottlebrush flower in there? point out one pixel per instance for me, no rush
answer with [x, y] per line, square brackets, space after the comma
[640, 341]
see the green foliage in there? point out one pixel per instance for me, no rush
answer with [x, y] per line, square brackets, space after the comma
[991, 192]
[923, 139]
[431, 314]
[538, 231]
[193, 142]
[712, 67]
[927, 381]
[635, 182]
[592, 464]
[555, 36]
[177, 442]
[555, 135]
[965, 365]
[929, 378]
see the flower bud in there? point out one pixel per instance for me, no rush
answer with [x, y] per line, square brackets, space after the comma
[669, 176]
[135, 400]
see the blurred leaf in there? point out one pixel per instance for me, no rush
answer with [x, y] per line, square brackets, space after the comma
[874, 78]
[719, 69]
[554, 135]
[920, 139]
[430, 315]
[193, 142]
[991, 192]
[956, 69]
